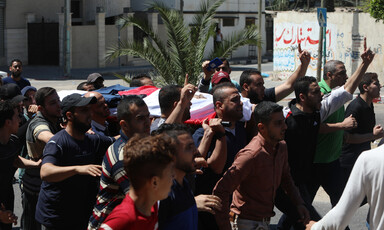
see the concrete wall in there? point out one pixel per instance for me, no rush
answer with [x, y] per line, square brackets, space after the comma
[345, 33]
[17, 9]
[84, 47]
[111, 8]
[16, 40]
[111, 40]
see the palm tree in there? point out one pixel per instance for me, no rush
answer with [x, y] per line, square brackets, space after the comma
[184, 51]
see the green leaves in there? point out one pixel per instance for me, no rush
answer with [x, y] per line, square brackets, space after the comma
[183, 51]
[376, 9]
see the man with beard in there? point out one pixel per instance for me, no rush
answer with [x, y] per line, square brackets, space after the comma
[258, 170]
[179, 210]
[68, 169]
[100, 113]
[175, 104]
[133, 116]
[41, 128]
[358, 139]
[16, 68]
[224, 143]
[252, 83]
[303, 118]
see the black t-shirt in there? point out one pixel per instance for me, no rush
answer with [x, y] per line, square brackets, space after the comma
[8, 154]
[68, 204]
[269, 94]
[365, 117]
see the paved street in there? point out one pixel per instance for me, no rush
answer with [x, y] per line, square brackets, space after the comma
[321, 201]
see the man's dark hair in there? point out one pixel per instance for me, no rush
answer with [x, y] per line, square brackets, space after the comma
[6, 111]
[136, 80]
[367, 79]
[124, 107]
[173, 130]
[168, 95]
[42, 93]
[146, 157]
[217, 91]
[245, 77]
[81, 85]
[330, 66]
[264, 110]
[16, 60]
[302, 86]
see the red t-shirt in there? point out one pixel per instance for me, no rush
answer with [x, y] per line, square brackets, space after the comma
[126, 216]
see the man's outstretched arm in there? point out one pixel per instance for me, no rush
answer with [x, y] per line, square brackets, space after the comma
[286, 88]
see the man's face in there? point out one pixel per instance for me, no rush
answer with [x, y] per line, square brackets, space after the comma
[256, 89]
[374, 89]
[16, 69]
[276, 127]
[147, 81]
[185, 158]
[100, 108]
[51, 106]
[82, 118]
[340, 76]
[232, 107]
[224, 67]
[30, 98]
[139, 121]
[15, 121]
[314, 97]
[99, 83]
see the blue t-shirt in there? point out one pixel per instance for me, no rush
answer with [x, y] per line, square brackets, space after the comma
[179, 210]
[21, 83]
[68, 204]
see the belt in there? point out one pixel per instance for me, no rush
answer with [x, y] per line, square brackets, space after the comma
[233, 216]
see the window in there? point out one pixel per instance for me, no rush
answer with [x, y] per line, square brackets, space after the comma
[249, 21]
[228, 21]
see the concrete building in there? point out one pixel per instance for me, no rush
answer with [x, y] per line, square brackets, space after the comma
[33, 31]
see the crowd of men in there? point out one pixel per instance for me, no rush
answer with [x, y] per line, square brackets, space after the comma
[229, 172]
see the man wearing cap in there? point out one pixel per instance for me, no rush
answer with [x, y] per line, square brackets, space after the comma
[100, 113]
[68, 169]
[95, 80]
[16, 68]
[205, 84]
[30, 107]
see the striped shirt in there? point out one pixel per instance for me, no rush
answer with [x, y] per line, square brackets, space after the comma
[114, 183]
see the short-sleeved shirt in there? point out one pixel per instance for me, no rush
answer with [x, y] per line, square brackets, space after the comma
[127, 216]
[35, 147]
[328, 148]
[178, 210]
[114, 183]
[269, 94]
[8, 154]
[21, 83]
[68, 204]
[365, 117]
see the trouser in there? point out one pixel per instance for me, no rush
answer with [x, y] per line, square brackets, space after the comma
[244, 224]
[328, 176]
[29, 202]
[291, 216]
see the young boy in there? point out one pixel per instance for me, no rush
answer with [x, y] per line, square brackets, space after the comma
[149, 165]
